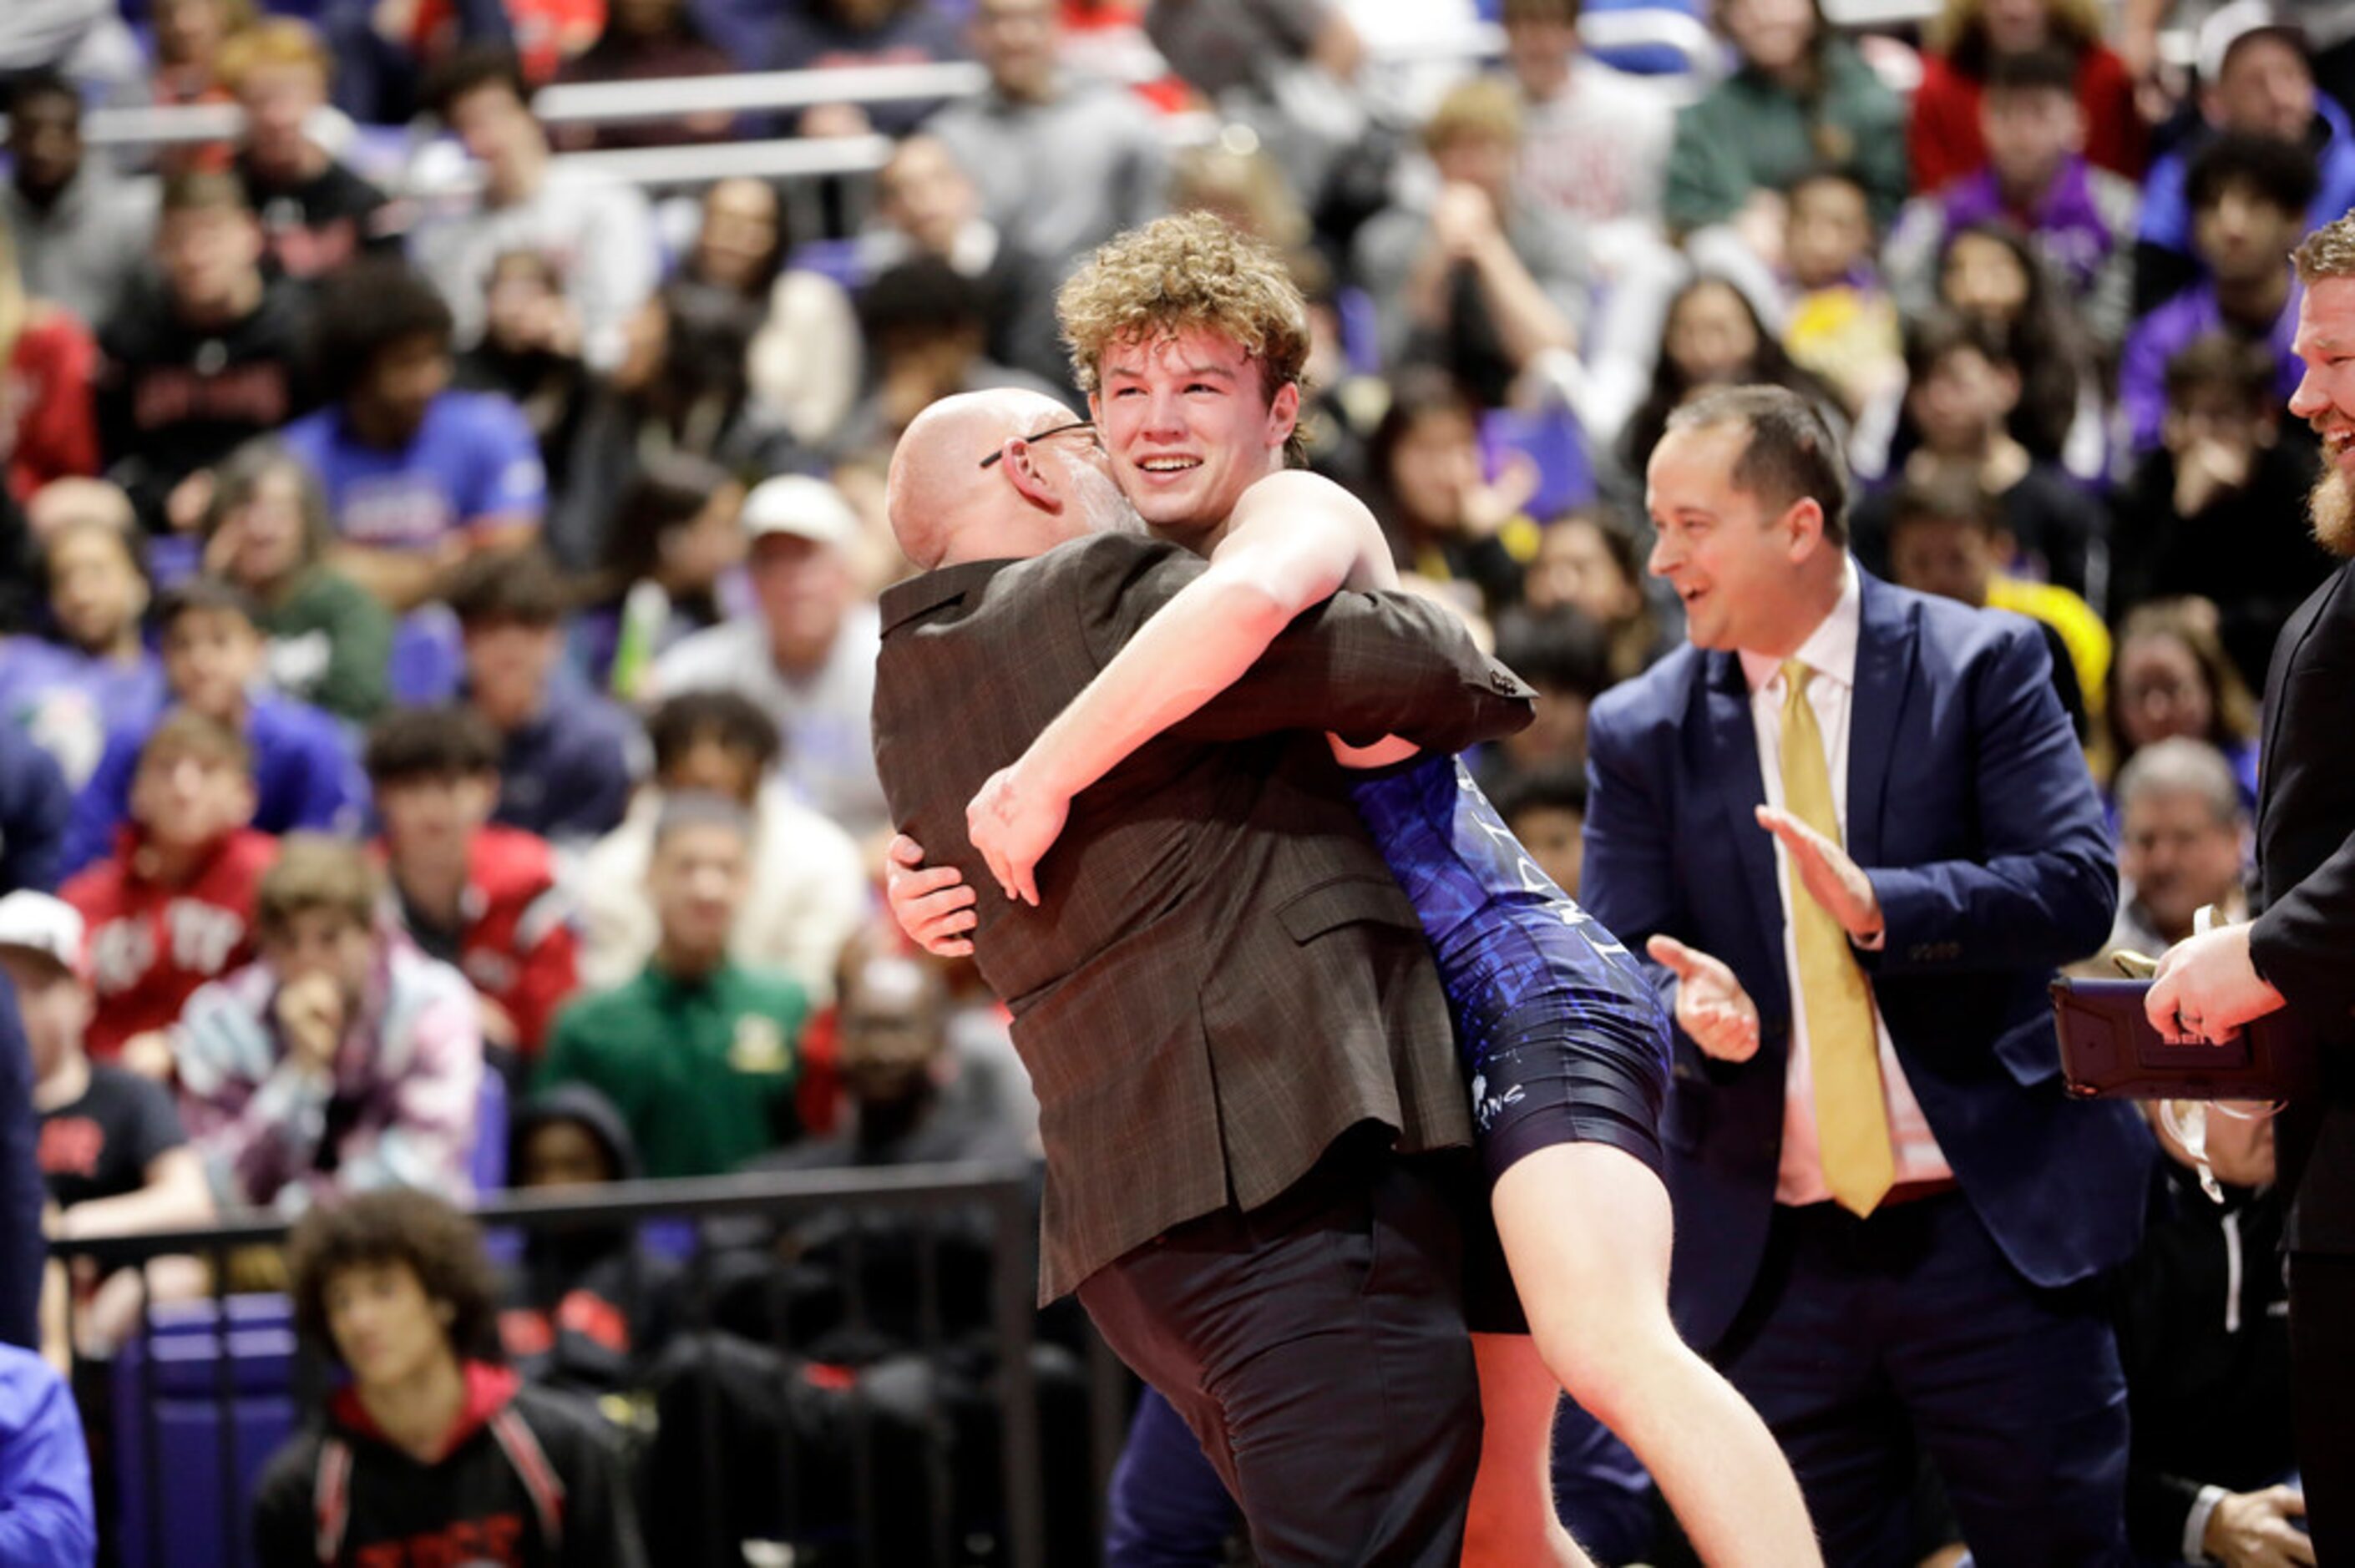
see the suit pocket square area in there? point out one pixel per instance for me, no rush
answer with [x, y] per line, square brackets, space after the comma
[2109, 1051]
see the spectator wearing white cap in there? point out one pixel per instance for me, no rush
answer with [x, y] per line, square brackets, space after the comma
[807, 658]
[113, 1157]
[2257, 77]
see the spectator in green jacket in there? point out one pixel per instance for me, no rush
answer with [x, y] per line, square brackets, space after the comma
[700, 1054]
[1800, 98]
[267, 530]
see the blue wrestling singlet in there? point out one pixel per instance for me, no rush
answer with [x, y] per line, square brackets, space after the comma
[1563, 1037]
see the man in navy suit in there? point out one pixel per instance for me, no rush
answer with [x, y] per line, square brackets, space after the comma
[1853, 830]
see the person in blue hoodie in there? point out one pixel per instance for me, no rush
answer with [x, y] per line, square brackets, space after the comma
[304, 773]
[46, 1516]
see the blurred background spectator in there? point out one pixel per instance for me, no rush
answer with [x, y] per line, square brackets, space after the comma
[1944, 133]
[386, 402]
[267, 531]
[81, 234]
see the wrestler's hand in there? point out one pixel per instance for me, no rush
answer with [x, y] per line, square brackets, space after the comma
[933, 908]
[1013, 822]
[1711, 1006]
[2206, 988]
[1830, 877]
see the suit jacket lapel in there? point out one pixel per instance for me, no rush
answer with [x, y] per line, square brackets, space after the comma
[1885, 645]
[1733, 743]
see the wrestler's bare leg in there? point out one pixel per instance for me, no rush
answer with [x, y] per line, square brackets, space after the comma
[1586, 1230]
[1512, 1521]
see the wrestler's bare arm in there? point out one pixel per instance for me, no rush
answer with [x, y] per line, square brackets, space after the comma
[1293, 541]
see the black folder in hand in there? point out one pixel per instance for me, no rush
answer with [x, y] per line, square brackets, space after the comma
[2109, 1051]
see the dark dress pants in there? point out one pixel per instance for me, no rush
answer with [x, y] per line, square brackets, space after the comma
[1316, 1348]
[1864, 1338]
[1167, 1506]
[2322, 1367]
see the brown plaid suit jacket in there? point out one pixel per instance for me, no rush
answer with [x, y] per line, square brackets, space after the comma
[1222, 976]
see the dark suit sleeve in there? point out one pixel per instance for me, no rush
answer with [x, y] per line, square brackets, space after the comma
[1363, 665]
[22, 1248]
[1627, 880]
[2300, 943]
[2043, 891]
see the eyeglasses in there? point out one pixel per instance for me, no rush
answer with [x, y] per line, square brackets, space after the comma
[1044, 435]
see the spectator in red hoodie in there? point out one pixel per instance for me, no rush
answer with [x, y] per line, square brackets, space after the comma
[1943, 136]
[173, 907]
[471, 893]
[431, 1455]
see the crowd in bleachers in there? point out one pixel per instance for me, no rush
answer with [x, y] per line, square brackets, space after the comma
[437, 567]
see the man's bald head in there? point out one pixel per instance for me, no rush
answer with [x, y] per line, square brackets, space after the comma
[944, 505]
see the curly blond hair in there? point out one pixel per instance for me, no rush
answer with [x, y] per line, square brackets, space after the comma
[1183, 273]
[2328, 252]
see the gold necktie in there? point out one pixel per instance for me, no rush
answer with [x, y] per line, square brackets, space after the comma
[1843, 1047]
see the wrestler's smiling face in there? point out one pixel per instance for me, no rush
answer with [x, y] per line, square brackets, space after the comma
[1187, 425]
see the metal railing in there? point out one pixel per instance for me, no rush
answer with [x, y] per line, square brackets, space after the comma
[930, 1201]
[765, 91]
[676, 98]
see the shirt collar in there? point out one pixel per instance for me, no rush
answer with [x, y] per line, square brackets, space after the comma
[1831, 647]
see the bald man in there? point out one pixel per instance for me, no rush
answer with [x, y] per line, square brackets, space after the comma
[1249, 1099]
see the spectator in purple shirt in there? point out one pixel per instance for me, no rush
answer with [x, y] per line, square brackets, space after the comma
[2037, 178]
[418, 477]
[94, 671]
[2249, 196]
[304, 774]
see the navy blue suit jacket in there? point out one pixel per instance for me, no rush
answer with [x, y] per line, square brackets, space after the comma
[1970, 807]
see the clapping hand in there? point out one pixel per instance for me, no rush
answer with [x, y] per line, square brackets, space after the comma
[1712, 1005]
[1013, 822]
[1830, 877]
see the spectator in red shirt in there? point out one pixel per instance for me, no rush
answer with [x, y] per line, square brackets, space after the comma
[1944, 137]
[172, 908]
[472, 894]
[49, 426]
